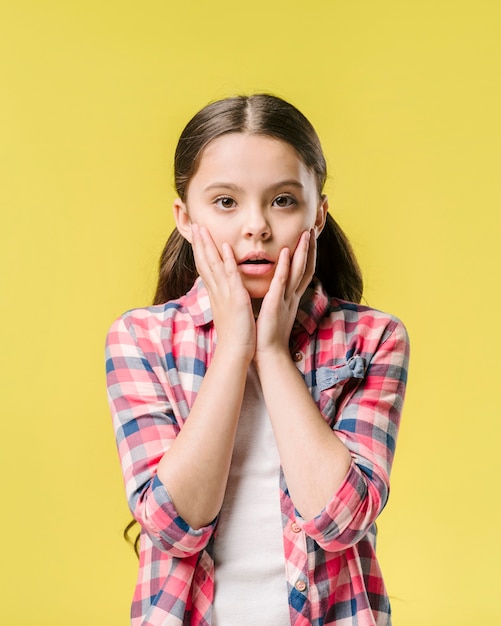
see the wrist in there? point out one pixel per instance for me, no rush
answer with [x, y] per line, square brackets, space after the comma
[272, 358]
[233, 354]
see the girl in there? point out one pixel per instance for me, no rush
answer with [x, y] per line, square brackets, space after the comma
[256, 406]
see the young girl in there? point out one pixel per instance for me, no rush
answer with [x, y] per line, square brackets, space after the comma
[256, 406]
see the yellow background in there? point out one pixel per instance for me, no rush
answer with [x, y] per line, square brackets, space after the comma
[93, 94]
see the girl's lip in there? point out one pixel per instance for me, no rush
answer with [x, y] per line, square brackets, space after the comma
[256, 256]
[248, 268]
[256, 269]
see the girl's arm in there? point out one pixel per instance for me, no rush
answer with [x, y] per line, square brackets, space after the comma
[314, 460]
[145, 426]
[195, 468]
[175, 478]
[367, 421]
[337, 479]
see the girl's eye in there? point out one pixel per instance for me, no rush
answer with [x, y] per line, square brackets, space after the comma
[225, 202]
[284, 202]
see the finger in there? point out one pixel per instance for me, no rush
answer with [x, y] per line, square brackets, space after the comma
[298, 264]
[211, 256]
[229, 261]
[197, 247]
[278, 284]
[231, 268]
[206, 255]
[310, 263]
[211, 252]
[199, 251]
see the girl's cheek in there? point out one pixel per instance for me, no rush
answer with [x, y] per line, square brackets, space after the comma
[219, 241]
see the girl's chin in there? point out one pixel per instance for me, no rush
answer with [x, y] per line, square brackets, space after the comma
[257, 288]
[257, 294]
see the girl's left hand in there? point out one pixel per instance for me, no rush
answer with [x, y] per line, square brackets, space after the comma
[279, 306]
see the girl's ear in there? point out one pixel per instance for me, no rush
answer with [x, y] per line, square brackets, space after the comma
[321, 216]
[182, 218]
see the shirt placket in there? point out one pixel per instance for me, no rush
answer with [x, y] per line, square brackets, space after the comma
[296, 568]
[297, 559]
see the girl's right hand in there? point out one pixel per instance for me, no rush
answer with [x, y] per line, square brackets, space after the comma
[230, 301]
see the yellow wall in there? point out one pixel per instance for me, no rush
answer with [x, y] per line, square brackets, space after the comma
[93, 94]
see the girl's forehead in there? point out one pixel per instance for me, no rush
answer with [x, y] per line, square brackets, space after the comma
[247, 141]
[244, 153]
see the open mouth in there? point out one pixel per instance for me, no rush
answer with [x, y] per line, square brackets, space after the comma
[255, 262]
[256, 266]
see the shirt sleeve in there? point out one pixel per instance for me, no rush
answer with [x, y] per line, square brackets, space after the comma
[145, 427]
[367, 424]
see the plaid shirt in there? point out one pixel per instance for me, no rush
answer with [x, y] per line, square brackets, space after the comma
[353, 360]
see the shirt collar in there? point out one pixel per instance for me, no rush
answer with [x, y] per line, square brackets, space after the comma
[312, 306]
[198, 303]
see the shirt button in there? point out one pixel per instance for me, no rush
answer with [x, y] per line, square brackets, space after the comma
[295, 528]
[297, 356]
[300, 585]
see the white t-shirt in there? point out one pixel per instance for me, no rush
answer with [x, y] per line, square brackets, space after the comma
[250, 583]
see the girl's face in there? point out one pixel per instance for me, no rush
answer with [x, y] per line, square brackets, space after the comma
[255, 193]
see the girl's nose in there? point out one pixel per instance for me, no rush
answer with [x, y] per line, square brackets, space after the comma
[256, 226]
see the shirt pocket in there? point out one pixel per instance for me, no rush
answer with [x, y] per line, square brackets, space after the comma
[333, 380]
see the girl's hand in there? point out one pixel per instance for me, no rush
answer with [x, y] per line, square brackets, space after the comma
[279, 307]
[230, 301]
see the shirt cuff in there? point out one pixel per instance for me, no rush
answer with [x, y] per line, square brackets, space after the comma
[347, 517]
[168, 531]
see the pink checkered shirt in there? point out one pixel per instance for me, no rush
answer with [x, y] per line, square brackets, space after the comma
[354, 362]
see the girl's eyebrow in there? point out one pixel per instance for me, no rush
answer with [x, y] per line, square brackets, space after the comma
[287, 183]
[233, 187]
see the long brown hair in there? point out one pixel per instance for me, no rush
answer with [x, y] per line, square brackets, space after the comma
[259, 114]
